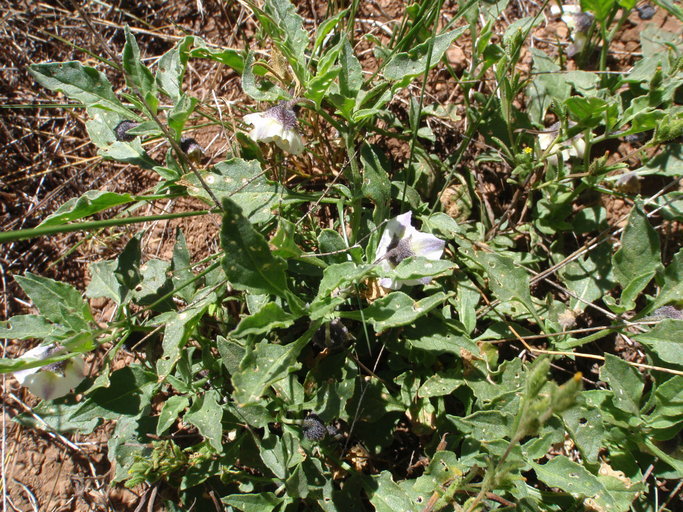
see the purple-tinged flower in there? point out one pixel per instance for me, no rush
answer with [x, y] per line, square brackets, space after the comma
[53, 380]
[279, 125]
[401, 240]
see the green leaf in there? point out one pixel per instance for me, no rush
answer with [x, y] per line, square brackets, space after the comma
[605, 493]
[351, 73]
[283, 239]
[138, 76]
[586, 111]
[376, 185]
[156, 283]
[170, 412]
[244, 183]
[264, 90]
[588, 277]
[206, 414]
[56, 301]
[520, 28]
[417, 267]
[265, 365]
[669, 162]
[103, 282]
[441, 384]
[288, 30]
[93, 201]
[405, 66]
[339, 276]
[484, 426]
[248, 262]
[181, 269]
[22, 327]
[177, 332]
[585, 426]
[128, 152]
[395, 309]
[129, 393]
[181, 113]
[127, 270]
[548, 86]
[665, 340]
[386, 496]
[507, 281]
[280, 453]
[626, 383]
[80, 83]
[171, 68]
[55, 415]
[227, 56]
[600, 8]
[639, 255]
[231, 353]
[253, 502]
[267, 319]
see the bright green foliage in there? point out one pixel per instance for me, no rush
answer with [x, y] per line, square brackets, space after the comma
[293, 380]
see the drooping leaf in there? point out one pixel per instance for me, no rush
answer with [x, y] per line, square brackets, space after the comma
[206, 414]
[636, 262]
[171, 68]
[665, 339]
[626, 383]
[256, 502]
[396, 309]
[265, 365]
[81, 83]
[268, 318]
[386, 496]
[138, 76]
[93, 201]
[407, 65]
[182, 275]
[58, 302]
[129, 393]
[170, 412]
[22, 327]
[244, 183]
[249, 264]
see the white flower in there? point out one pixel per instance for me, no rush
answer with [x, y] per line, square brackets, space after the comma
[578, 22]
[401, 240]
[279, 125]
[54, 380]
[574, 147]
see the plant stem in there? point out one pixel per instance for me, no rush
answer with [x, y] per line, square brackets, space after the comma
[23, 234]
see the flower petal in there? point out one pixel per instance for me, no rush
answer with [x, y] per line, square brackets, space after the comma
[427, 245]
[397, 228]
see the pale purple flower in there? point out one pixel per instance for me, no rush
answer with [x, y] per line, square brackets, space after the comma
[401, 240]
[279, 125]
[53, 380]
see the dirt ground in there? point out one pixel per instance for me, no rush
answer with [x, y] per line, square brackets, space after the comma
[47, 159]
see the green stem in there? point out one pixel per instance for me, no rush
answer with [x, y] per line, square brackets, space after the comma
[23, 234]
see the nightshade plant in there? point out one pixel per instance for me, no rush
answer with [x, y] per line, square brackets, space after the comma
[298, 382]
